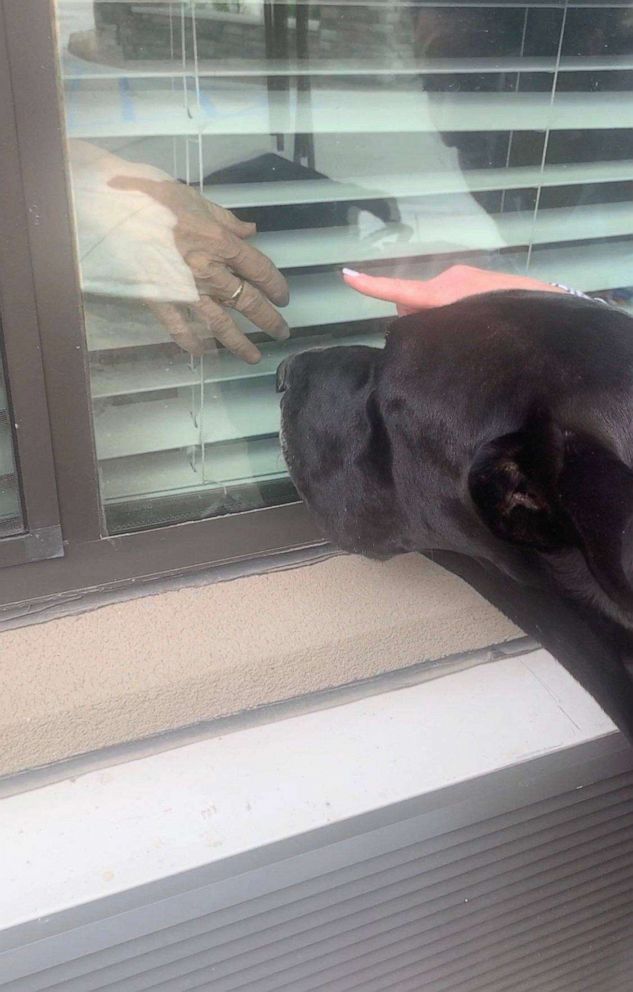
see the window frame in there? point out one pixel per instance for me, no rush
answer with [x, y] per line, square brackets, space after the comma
[23, 371]
[49, 284]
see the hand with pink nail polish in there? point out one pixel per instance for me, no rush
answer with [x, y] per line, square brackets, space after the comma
[455, 283]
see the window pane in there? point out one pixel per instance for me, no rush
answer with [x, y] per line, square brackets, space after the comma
[398, 138]
[11, 520]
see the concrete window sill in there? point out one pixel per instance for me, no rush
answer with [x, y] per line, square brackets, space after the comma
[138, 668]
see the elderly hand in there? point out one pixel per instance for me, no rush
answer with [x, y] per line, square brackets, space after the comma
[228, 272]
[411, 295]
[144, 236]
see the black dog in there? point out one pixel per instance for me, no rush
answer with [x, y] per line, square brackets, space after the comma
[496, 434]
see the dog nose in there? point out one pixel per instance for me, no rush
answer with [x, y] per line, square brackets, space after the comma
[283, 370]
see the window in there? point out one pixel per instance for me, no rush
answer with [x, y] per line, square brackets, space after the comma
[396, 137]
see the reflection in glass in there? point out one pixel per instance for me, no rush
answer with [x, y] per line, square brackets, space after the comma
[396, 138]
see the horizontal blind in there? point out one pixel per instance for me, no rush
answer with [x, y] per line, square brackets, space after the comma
[395, 137]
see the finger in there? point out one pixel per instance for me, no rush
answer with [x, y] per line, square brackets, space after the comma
[242, 228]
[260, 311]
[218, 282]
[225, 330]
[177, 327]
[409, 293]
[222, 285]
[201, 254]
[257, 268]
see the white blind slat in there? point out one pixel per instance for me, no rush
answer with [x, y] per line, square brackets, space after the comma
[233, 411]
[243, 108]
[131, 377]
[156, 425]
[417, 185]
[584, 267]
[443, 234]
[163, 471]
[173, 471]
[79, 69]
[446, 232]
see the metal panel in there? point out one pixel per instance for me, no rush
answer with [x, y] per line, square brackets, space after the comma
[520, 880]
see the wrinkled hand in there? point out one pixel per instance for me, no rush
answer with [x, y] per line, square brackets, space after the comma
[455, 283]
[212, 243]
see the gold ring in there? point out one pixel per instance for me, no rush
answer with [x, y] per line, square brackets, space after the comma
[234, 297]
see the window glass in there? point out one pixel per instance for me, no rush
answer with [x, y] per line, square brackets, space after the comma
[398, 138]
[11, 521]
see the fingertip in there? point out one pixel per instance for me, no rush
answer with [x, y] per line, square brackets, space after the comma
[280, 331]
[279, 294]
[282, 299]
[353, 277]
[252, 357]
[356, 280]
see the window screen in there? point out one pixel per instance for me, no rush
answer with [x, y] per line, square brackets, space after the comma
[397, 138]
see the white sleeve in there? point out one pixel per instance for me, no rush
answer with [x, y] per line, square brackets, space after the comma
[125, 238]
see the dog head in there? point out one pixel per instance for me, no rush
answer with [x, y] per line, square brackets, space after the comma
[495, 433]
[497, 427]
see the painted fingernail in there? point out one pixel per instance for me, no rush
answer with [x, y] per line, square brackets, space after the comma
[350, 272]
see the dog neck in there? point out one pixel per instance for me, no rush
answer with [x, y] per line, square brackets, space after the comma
[571, 575]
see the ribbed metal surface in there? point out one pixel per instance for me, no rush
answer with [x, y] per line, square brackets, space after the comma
[537, 898]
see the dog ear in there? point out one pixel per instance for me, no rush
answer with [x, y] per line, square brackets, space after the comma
[511, 481]
[596, 490]
[550, 489]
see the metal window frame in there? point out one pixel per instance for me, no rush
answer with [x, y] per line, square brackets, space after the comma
[47, 279]
[24, 374]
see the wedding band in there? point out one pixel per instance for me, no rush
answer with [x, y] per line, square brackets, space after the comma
[234, 297]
